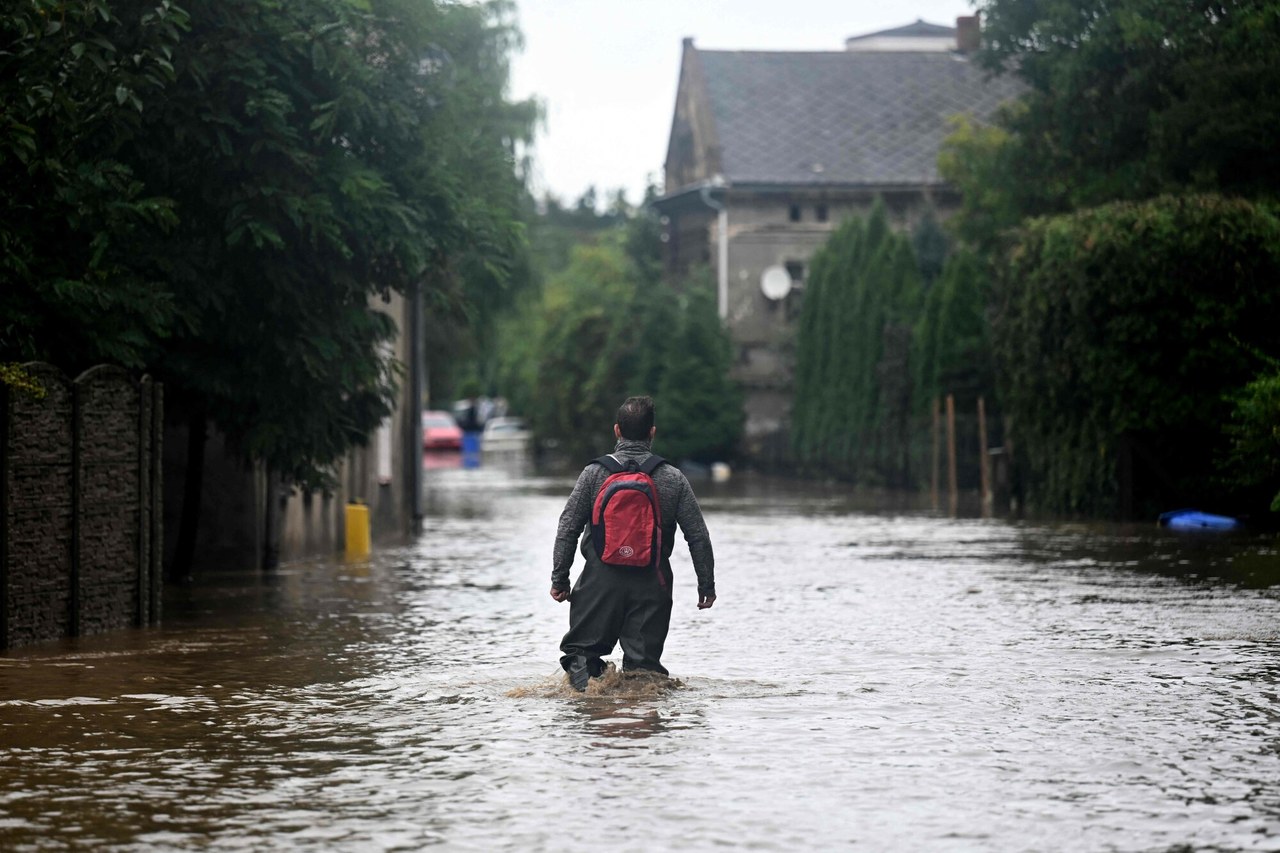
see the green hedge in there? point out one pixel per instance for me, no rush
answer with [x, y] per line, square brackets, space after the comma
[1253, 458]
[1119, 332]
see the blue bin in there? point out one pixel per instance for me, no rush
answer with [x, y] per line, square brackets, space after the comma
[471, 450]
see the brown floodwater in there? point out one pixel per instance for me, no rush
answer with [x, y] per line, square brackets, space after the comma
[873, 676]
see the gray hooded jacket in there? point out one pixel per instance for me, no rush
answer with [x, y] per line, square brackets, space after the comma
[675, 499]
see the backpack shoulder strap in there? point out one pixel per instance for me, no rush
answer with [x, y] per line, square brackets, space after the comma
[651, 464]
[610, 464]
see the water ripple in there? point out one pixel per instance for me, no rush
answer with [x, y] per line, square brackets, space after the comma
[869, 679]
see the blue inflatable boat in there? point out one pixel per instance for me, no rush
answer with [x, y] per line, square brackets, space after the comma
[1194, 519]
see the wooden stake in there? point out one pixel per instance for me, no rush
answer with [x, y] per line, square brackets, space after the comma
[984, 458]
[953, 494]
[934, 471]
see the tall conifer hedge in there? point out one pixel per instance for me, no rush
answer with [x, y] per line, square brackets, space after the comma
[852, 372]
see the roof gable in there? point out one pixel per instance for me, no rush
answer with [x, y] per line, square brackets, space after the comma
[693, 149]
[920, 28]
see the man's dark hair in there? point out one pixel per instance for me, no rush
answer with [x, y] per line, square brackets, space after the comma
[635, 418]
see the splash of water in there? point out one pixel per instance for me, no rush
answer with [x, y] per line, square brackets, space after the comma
[611, 684]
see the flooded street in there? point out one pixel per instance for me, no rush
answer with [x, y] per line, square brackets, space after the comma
[868, 679]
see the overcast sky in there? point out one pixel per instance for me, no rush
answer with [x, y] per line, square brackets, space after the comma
[606, 70]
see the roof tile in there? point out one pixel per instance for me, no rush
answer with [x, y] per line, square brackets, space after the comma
[841, 118]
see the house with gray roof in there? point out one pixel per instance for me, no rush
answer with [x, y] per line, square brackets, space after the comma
[769, 151]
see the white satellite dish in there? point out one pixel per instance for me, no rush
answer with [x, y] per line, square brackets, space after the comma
[775, 282]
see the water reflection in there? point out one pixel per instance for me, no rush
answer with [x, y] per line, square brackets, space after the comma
[437, 459]
[873, 677]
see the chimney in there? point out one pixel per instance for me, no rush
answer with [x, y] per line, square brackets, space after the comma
[968, 34]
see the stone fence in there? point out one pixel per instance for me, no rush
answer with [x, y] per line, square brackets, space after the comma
[80, 505]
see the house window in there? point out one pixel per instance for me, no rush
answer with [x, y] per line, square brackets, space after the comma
[795, 213]
[794, 305]
[820, 213]
[795, 269]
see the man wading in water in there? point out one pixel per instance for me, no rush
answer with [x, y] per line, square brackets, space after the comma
[619, 597]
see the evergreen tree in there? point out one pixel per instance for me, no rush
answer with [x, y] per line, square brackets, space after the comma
[952, 350]
[700, 409]
[853, 388]
[931, 247]
[607, 327]
[816, 340]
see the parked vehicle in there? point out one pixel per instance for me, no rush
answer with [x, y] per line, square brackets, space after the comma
[504, 433]
[440, 431]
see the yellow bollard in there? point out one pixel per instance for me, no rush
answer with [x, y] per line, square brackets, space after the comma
[357, 531]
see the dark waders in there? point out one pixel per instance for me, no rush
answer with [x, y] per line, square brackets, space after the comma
[630, 606]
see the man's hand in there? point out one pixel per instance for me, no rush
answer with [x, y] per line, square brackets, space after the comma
[706, 601]
[563, 594]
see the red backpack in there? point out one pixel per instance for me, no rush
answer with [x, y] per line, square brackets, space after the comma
[626, 521]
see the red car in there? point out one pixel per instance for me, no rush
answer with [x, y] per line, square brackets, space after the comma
[440, 432]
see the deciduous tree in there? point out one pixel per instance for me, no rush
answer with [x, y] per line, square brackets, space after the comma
[1131, 98]
[75, 81]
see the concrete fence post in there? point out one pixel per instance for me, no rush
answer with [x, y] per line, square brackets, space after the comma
[80, 505]
[142, 571]
[4, 516]
[156, 521]
[37, 496]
